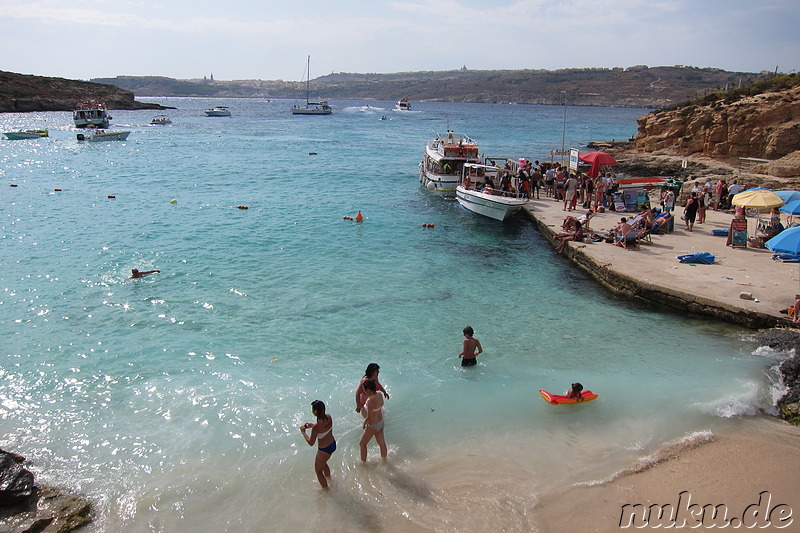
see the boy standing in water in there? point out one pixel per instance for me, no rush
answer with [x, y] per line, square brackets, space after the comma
[471, 349]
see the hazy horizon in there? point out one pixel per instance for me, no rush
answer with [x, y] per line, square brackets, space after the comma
[245, 39]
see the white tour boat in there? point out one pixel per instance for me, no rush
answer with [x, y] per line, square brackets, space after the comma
[91, 114]
[480, 191]
[403, 105]
[101, 135]
[219, 111]
[443, 160]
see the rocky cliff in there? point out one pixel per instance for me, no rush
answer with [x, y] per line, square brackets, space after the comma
[758, 121]
[23, 93]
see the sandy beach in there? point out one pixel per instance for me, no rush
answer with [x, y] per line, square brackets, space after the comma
[732, 468]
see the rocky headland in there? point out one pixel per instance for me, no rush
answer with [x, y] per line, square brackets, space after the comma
[730, 130]
[20, 93]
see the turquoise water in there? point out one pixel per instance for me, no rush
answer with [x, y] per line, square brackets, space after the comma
[173, 401]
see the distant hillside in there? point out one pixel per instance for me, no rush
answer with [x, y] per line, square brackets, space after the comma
[638, 86]
[24, 93]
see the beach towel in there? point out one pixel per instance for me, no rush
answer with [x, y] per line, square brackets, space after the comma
[703, 258]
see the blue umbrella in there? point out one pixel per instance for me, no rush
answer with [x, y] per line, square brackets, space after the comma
[785, 242]
[792, 207]
[788, 196]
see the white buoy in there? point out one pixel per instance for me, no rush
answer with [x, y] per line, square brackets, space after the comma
[431, 186]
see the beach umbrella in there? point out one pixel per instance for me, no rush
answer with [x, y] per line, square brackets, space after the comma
[757, 199]
[788, 196]
[792, 207]
[597, 159]
[785, 242]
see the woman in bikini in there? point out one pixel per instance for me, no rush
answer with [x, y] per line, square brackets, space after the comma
[321, 432]
[373, 369]
[373, 423]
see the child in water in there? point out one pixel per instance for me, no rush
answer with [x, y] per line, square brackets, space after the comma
[471, 348]
[576, 392]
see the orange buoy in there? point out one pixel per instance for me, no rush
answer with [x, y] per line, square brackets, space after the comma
[430, 225]
[57, 190]
[13, 184]
[359, 217]
[241, 207]
[111, 196]
[424, 225]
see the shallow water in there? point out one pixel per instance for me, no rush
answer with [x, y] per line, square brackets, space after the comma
[176, 398]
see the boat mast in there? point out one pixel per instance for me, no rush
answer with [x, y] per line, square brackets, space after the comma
[308, 77]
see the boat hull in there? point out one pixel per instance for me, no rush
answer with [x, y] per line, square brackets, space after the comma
[444, 184]
[311, 111]
[106, 136]
[218, 113]
[28, 134]
[496, 207]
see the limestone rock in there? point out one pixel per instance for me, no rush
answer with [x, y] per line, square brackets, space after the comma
[16, 481]
[785, 167]
[726, 126]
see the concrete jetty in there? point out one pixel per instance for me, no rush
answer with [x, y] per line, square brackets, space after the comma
[653, 273]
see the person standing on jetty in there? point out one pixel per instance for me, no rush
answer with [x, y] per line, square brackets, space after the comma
[373, 369]
[322, 431]
[570, 190]
[690, 212]
[471, 348]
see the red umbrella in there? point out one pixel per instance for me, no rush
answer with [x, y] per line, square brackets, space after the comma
[597, 159]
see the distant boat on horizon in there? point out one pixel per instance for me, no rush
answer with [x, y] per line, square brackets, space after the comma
[311, 108]
[219, 111]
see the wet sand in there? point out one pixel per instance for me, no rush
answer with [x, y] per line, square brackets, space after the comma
[754, 455]
[734, 467]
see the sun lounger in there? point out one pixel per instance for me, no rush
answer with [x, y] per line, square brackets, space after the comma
[703, 258]
[631, 239]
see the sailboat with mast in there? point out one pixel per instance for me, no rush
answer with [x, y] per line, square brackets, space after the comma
[311, 108]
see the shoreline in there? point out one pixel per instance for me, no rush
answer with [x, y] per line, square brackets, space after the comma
[732, 468]
[653, 274]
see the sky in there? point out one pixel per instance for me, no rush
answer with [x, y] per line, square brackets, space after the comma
[270, 39]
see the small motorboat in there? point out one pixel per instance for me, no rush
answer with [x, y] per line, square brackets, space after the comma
[161, 120]
[219, 111]
[102, 135]
[403, 105]
[26, 134]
